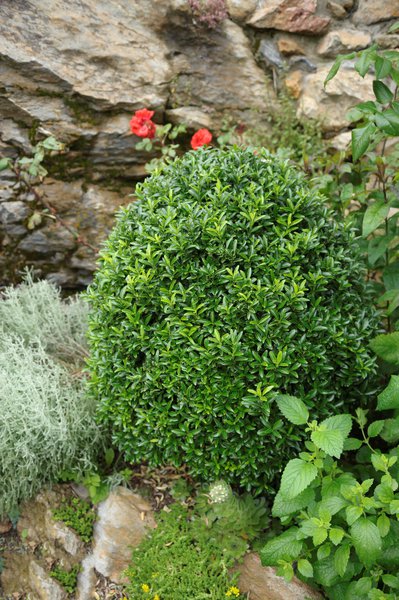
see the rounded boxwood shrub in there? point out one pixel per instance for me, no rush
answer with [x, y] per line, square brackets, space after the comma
[227, 282]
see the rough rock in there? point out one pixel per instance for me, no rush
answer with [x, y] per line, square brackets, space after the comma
[190, 116]
[262, 583]
[340, 8]
[340, 141]
[123, 520]
[343, 40]
[293, 83]
[289, 15]
[289, 47]
[270, 54]
[330, 104]
[387, 40]
[374, 11]
[240, 10]
[43, 586]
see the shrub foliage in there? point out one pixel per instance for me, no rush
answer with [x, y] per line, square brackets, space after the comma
[47, 421]
[226, 282]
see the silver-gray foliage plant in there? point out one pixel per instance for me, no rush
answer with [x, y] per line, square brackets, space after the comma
[47, 423]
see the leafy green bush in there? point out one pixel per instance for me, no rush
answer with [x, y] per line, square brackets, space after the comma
[226, 282]
[343, 529]
[180, 559]
[47, 422]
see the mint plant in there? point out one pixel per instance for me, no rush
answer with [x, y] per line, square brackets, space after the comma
[342, 529]
[366, 186]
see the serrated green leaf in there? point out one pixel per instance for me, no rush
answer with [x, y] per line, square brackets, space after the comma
[353, 513]
[375, 428]
[342, 423]
[296, 477]
[361, 138]
[391, 580]
[319, 536]
[333, 504]
[366, 539]
[341, 558]
[282, 547]
[378, 461]
[305, 568]
[282, 506]
[382, 67]
[323, 551]
[390, 433]
[330, 441]
[384, 493]
[364, 62]
[352, 444]
[336, 534]
[389, 397]
[375, 214]
[382, 92]
[386, 346]
[293, 409]
[383, 524]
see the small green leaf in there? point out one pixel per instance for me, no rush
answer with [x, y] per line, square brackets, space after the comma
[323, 551]
[293, 409]
[341, 558]
[391, 580]
[389, 398]
[383, 524]
[390, 433]
[386, 346]
[353, 513]
[336, 534]
[382, 92]
[366, 540]
[305, 568]
[281, 547]
[296, 477]
[352, 444]
[4, 163]
[330, 441]
[382, 67]
[375, 428]
[361, 138]
[319, 536]
[379, 461]
[394, 27]
[341, 422]
[282, 506]
[375, 214]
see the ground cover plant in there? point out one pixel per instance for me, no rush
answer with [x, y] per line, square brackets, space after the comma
[79, 515]
[226, 282]
[47, 422]
[191, 551]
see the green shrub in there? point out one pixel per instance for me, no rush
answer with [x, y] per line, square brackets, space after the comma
[47, 422]
[226, 282]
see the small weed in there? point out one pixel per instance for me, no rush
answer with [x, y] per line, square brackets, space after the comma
[79, 515]
[68, 579]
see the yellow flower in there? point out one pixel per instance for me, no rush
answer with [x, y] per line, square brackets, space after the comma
[233, 591]
[156, 597]
[145, 588]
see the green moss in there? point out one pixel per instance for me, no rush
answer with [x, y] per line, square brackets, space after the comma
[79, 515]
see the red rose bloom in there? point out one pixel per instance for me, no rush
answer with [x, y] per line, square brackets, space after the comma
[141, 124]
[201, 138]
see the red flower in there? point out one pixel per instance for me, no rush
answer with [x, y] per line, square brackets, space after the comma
[201, 138]
[141, 124]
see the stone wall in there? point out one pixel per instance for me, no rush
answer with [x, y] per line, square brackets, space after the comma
[79, 69]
